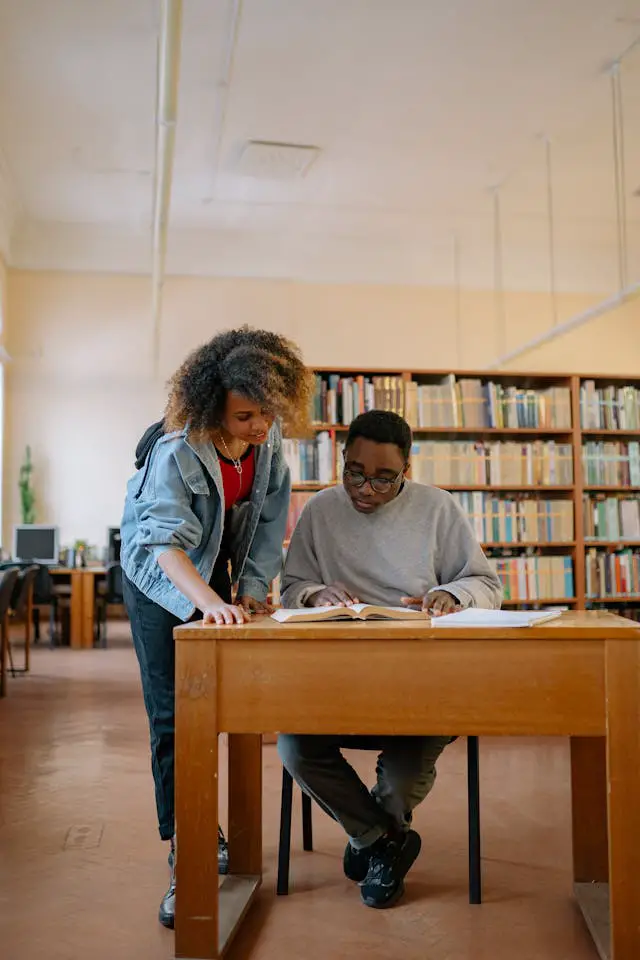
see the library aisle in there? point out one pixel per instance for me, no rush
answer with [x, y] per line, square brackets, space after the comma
[84, 868]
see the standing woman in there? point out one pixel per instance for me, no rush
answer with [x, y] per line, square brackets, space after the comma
[207, 508]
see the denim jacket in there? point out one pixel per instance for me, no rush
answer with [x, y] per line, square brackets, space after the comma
[169, 505]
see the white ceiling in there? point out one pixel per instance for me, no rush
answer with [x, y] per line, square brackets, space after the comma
[418, 107]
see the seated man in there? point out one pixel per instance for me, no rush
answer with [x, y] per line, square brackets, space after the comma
[379, 538]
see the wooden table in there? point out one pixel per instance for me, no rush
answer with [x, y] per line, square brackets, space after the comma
[83, 602]
[578, 676]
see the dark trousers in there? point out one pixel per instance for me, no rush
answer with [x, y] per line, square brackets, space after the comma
[152, 628]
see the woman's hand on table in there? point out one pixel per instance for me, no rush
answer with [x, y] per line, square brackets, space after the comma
[224, 613]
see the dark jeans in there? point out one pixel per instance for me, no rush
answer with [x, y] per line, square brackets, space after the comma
[152, 628]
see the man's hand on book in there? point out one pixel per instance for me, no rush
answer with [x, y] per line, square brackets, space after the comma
[335, 595]
[437, 603]
[250, 605]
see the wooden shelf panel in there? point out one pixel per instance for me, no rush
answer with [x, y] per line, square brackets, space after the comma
[611, 543]
[553, 601]
[589, 432]
[533, 544]
[471, 488]
[619, 598]
[470, 431]
[596, 488]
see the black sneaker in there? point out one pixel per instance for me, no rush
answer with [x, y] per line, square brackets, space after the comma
[223, 853]
[390, 859]
[167, 912]
[355, 863]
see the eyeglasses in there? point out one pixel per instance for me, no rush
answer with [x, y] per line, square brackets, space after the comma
[377, 484]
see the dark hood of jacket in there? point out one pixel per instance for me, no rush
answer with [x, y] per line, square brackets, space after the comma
[147, 441]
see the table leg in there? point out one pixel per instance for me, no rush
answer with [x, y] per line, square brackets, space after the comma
[196, 791]
[88, 610]
[622, 671]
[245, 804]
[589, 809]
[77, 600]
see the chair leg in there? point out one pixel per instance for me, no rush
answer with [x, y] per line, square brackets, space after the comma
[473, 790]
[11, 665]
[307, 823]
[3, 657]
[284, 848]
[53, 616]
[36, 625]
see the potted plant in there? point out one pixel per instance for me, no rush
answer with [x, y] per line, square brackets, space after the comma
[27, 495]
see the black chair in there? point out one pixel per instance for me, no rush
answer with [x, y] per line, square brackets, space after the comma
[8, 578]
[45, 594]
[473, 792]
[111, 594]
[22, 606]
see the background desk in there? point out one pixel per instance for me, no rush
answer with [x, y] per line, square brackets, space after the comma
[83, 602]
[578, 676]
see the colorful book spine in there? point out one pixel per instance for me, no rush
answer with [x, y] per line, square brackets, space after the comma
[613, 574]
[535, 579]
[611, 518]
[515, 520]
[609, 407]
[459, 463]
[611, 463]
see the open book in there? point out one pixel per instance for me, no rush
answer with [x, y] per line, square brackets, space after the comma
[477, 617]
[355, 611]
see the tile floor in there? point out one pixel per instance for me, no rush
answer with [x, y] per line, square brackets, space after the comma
[82, 870]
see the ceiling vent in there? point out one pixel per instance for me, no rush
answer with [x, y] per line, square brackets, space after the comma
[276, 161]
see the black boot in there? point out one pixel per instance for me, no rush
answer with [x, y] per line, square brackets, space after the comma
[223, 853]
[167, 912]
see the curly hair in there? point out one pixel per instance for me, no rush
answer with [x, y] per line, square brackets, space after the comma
[264, 367]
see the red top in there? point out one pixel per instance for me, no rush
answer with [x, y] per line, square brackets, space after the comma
[237, 486]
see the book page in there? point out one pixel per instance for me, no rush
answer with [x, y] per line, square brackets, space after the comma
[476, 617]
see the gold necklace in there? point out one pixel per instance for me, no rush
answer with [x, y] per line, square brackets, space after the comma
[236, 461]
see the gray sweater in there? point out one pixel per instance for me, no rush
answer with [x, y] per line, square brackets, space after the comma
[420, 541]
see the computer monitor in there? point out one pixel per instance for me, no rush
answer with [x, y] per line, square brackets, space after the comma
[113, 544]
[35, 542]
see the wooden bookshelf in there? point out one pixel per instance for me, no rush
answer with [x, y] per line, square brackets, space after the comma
[529, 387]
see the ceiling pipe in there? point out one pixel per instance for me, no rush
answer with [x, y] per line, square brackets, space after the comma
[618, 299]
[166, 117]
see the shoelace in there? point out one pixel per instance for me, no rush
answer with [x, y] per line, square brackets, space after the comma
[384, 861]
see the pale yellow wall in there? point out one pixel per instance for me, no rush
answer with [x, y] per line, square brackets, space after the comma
[3, 432]
[81, 387]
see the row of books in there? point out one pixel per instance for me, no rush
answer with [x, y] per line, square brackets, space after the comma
[516, 519]
[494, 519]
[337, 400]
[611, 463]
[473, 403]
[458, 463]
[612, 518]
[310, 461]
[297, 504]
[613, 574]
[447, 463]
[466, 402]
[609, 408]
[530, 579]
